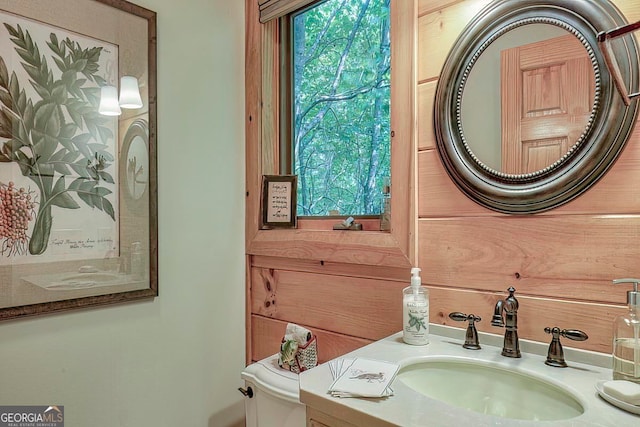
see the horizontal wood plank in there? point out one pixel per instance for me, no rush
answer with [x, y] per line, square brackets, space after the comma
[534, 314]
[354, 247]
[266, 335]
[428, 6]
[438, 196]
[569, 257]
[438, 31]
[629, 8]
[593, 318]
[358, 307]
[332, 268]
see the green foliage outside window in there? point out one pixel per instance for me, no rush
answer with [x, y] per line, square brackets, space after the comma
[341, 83]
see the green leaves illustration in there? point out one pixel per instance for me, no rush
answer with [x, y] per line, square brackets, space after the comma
[417, 322]
[59, 136]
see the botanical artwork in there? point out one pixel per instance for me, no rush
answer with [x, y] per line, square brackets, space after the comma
[416, 322]
[58, 164]
[137, 167]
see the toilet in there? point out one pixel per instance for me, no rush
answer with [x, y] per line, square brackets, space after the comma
[272, 396]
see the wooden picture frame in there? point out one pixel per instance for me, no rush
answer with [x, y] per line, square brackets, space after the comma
[279, 201]
[84, 184]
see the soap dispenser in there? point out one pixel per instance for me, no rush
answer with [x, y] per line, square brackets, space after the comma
[415, 311]
[626, 337]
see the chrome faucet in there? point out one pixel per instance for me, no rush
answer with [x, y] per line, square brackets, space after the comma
[508, 306]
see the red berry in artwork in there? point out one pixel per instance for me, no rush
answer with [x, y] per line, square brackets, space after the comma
[17, 209]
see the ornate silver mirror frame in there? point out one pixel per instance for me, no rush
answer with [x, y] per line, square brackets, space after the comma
[587, 160]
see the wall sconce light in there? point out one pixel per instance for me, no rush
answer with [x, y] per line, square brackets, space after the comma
[110, 105]
[130, 93]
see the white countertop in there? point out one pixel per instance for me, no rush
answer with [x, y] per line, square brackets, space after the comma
[408, 408]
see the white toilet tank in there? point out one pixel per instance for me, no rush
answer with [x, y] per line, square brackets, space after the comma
[275, 401]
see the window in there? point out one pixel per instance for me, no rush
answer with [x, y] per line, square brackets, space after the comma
[337, 117]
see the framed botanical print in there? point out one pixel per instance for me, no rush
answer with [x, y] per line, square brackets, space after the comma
[78, 207]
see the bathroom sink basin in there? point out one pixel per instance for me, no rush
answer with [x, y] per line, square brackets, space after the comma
[488, 388]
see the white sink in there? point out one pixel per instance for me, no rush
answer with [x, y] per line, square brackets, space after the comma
[487, 388]
[443, 384]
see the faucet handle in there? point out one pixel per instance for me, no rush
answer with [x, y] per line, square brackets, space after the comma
[471, 336]
[555, 355]
[458, 317]
[573, 334]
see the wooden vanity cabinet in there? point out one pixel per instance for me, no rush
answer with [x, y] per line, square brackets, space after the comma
[316, 418]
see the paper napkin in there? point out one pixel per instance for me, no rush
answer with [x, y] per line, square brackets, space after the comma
[362, 377]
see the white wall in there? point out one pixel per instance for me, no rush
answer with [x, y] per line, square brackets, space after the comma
[175, 361]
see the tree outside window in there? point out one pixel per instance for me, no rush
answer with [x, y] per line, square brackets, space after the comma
[340, 114]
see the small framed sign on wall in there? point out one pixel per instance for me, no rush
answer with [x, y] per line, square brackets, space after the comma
[279, 201]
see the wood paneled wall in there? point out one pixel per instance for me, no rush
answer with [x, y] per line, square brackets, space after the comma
[561, 262]
[340, 284]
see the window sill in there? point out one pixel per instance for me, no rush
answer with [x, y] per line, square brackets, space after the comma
[368, 224]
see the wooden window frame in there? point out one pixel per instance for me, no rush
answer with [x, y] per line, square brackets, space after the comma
[396, 248]
[274, 9]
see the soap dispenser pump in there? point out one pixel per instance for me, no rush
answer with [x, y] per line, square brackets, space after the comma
[415, 311]
[626, 337]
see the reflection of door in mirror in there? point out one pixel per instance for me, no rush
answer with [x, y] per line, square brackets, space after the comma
[547, 95]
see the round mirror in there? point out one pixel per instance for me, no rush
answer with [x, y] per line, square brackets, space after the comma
[526, 113]
[546, 83]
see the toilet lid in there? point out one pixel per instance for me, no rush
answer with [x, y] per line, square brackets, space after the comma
[272, 379]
